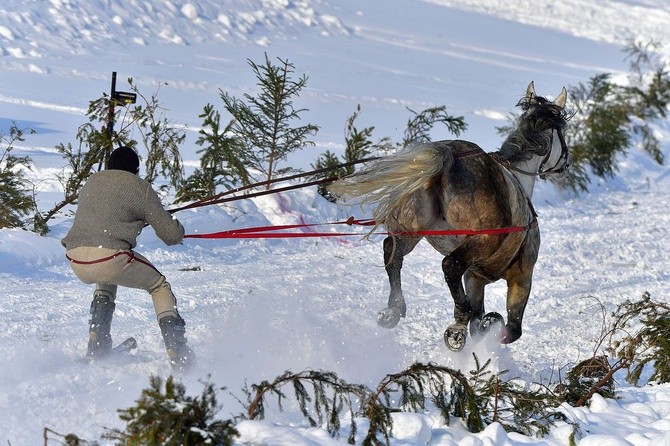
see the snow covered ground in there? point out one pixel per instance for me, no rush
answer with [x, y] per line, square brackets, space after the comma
[255, 308]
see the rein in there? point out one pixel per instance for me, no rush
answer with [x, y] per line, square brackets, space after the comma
[565, 157]
[216, 199]
[273, 232]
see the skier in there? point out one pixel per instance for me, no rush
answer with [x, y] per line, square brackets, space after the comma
[114, 206]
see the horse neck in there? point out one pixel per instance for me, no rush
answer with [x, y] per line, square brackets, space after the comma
[527, 182]
[532, 166]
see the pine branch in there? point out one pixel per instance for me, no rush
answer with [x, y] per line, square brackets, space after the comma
[327, 409]
[604, 381]
[70, 439]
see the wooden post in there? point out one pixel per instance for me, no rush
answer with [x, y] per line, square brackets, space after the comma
[110, 114]
[110, 121]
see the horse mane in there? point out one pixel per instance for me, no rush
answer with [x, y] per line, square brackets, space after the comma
[530, 137]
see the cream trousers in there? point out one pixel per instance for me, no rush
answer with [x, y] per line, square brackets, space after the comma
[110, 268]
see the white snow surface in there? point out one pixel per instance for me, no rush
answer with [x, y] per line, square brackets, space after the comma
[256, 308]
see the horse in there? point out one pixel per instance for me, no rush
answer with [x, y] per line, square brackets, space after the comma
[473, 207]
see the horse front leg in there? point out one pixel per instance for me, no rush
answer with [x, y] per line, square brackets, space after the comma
[395, 249]
[518, 292]
[519, 279]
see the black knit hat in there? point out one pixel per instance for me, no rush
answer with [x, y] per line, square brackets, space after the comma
[124, 158]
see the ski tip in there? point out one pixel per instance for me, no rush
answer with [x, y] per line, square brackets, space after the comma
[128, 344]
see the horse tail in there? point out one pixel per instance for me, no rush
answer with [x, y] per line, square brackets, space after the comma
[392, 182]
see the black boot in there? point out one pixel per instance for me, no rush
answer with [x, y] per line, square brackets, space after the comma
[100, 339]
[173, 330]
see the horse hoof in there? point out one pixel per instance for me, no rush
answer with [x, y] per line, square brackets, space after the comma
[508, 336]
[454, 337]
[389, 317]
[475, 325]
[490, 321]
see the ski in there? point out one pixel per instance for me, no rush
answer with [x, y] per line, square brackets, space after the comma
[126, 346]
[123, 348]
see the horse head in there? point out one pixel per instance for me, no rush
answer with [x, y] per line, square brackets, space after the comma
[553, 115]
[534, 99]
[537, 146]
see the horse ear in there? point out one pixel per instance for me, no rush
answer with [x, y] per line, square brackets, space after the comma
[530, 91]
[561, 98]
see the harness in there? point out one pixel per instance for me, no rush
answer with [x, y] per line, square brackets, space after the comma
[561, 165]
[130, 254]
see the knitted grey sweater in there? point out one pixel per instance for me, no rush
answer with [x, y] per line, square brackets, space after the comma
[114, 206]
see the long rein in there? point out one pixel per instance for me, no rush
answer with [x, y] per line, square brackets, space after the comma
[277, 231]
[217, 199]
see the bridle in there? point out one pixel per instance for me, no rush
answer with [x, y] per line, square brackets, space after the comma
[562, 163]
[560, 167]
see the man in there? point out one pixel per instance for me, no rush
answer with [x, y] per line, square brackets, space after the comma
[114, 206]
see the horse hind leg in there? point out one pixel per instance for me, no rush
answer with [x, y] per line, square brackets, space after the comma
[395, 249]
[474, 289]
[481, 322]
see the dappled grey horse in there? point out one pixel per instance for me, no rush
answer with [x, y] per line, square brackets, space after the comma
[435, 189]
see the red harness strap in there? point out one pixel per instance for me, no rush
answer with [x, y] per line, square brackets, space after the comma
[130, 254]
[271, 231]
[266, 232]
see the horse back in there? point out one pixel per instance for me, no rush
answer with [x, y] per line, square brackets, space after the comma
[478, 193]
